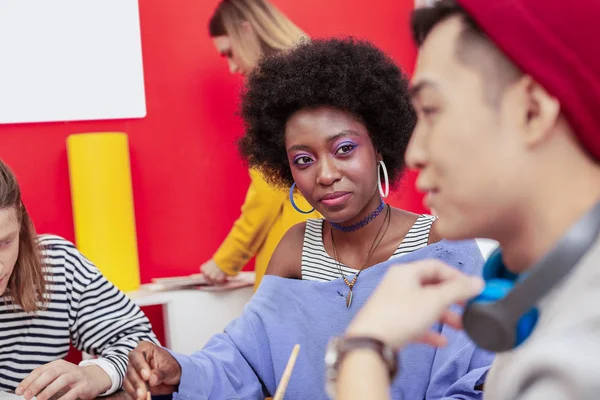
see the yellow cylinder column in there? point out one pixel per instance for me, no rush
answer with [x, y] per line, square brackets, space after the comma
[103, 208]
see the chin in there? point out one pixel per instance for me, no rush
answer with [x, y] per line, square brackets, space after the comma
[338, 216]
[453, 231]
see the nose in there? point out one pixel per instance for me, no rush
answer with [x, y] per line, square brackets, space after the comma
[328, 172]
[416, 156]
[233, 67]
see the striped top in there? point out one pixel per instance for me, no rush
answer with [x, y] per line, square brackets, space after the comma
[318, 265]
[83, 308]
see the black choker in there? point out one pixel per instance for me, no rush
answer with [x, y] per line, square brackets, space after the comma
[362, 223]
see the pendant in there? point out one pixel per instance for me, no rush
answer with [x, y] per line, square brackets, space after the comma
[349, 299]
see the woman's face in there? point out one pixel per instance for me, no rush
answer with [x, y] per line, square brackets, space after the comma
[333, 162]
[9, 244]
[224, 47]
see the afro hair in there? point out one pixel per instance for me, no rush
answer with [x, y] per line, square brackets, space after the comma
[344, 73]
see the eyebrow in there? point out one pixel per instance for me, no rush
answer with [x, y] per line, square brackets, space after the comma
[8, 235]
[345, 132]
[332, 138]
[415, 90]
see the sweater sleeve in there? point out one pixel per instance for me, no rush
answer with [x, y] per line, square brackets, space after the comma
[248, 233]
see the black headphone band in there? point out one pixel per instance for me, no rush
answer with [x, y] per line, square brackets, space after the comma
[493, 325]
[555, 266]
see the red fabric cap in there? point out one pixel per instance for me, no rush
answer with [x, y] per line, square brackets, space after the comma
[556, 42]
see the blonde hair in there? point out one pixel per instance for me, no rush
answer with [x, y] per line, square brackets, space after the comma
[273, 31]
[27, 284]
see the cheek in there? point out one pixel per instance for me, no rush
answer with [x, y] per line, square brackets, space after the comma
[361, 167]
[459, 147]
[304, 181]
[8, 257]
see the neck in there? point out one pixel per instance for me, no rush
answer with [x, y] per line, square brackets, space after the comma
[363, 222]
[368, 230]
[549, 214]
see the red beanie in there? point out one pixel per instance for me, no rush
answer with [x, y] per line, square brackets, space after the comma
[556, 42]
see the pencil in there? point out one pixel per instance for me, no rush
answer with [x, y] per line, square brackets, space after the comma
[287, 373]
[148, 395]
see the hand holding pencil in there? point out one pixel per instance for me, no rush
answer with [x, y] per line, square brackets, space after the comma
[151, 369]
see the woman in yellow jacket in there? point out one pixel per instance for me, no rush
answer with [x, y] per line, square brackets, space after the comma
[242, 31]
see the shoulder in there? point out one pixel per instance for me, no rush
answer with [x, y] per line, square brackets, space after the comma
[434, 234]
[58, 252]
[287, 258]
[569, 369]
[408, 221]
[54, 242]
[463, 255]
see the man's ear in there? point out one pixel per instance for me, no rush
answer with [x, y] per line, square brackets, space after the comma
[540, 112]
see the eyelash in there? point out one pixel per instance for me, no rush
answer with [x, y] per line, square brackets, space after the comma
[352, 146]
[298, 158]
[428, 110]
[5, 243]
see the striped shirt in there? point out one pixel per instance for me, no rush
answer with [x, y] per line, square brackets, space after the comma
[83, 309]
[318, 265]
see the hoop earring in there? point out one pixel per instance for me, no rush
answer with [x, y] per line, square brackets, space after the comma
[383, 193]
[294, 204]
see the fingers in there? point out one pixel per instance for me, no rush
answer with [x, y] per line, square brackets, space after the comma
[433, 339]
[134, 385]
[424, 273]
[62, 381]
[215, 277]
[211, 279]
[212, 273]
[452, 319]
[72, 394]
[128, 387]
[207, 275]
[432, 272]
[156, 377]
[458, 289]
[26, 383]
[449, 284]
[138, 359]
[138, 370]
[38, 379]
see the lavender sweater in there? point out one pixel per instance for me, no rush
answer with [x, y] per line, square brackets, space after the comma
[248, 359]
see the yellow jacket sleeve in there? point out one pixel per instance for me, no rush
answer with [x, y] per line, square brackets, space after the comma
[260, 210]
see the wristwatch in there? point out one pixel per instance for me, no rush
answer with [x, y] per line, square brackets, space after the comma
[339, 347]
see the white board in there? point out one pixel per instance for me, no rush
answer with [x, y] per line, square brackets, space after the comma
[69, 60]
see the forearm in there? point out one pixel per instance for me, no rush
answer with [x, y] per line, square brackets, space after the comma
[109, 326]
[218, 371]
[363, 375]
[100, 377]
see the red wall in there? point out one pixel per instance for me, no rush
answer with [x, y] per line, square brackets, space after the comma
[188, 180]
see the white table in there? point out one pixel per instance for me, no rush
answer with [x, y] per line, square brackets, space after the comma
[192, 317]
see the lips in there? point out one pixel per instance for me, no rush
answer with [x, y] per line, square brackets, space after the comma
[430, 195]
[335, 198]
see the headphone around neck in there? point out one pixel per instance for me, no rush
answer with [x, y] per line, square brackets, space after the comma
[505, 313]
